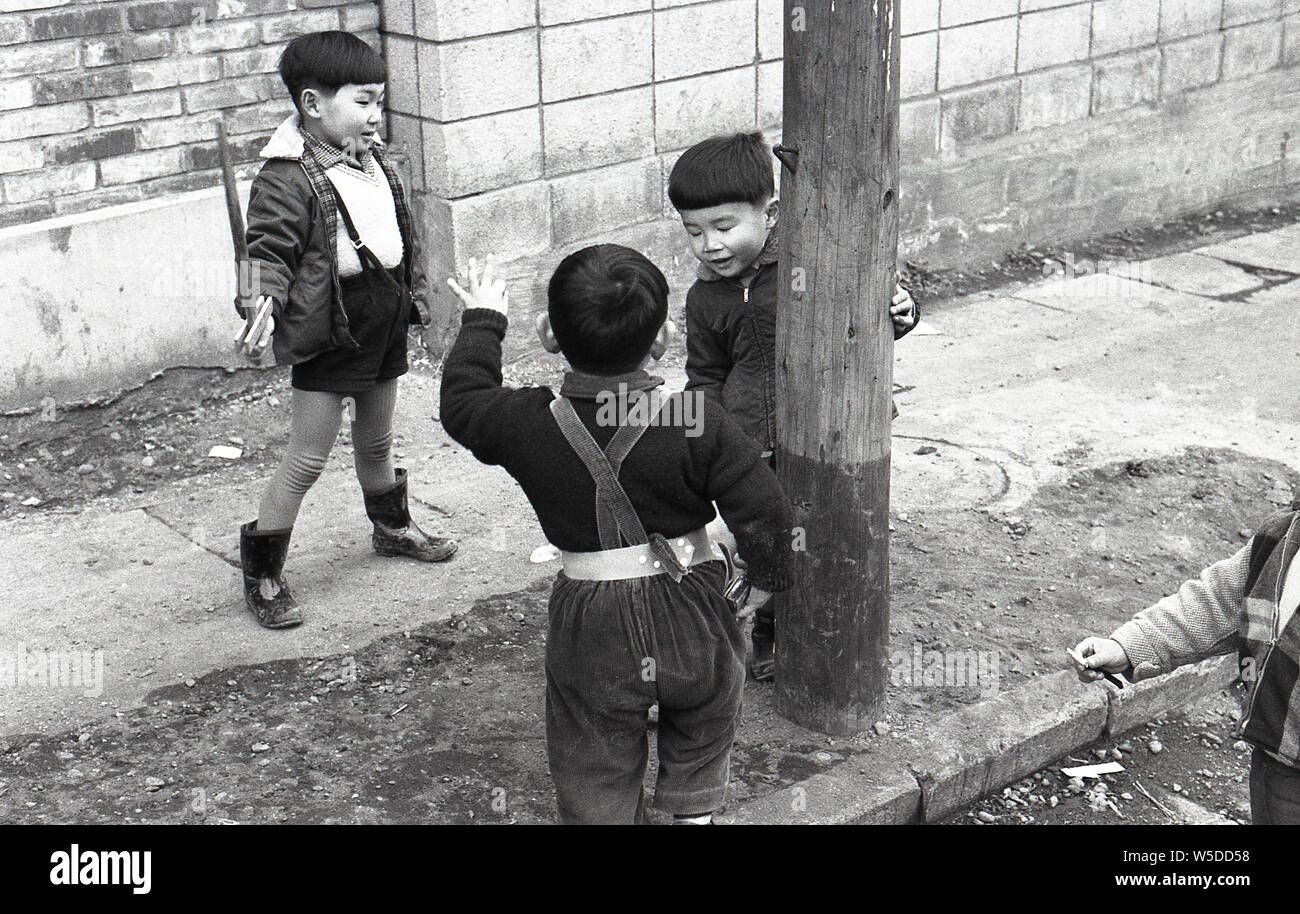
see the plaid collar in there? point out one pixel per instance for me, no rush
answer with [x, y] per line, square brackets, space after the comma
[328, 155]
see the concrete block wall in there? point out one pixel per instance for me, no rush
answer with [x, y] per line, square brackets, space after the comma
[116, 101]
[534, 124]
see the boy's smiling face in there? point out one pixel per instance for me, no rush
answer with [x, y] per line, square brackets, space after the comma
[349, 118]
[730, 236]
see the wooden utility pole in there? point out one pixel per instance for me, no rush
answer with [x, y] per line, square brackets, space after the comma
[834, 351]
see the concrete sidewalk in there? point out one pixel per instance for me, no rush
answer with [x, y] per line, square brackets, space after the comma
[1191, 349]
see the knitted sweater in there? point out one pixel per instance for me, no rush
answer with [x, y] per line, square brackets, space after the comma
[1235, 605]
[673, 477]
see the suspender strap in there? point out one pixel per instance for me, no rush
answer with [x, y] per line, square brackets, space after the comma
[616, 518]
[369, 262]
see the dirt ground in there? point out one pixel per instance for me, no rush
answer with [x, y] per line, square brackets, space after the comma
[444, 723]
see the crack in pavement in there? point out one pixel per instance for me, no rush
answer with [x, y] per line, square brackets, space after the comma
[147, 510]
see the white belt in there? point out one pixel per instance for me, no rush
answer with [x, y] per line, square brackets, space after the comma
[637, 561]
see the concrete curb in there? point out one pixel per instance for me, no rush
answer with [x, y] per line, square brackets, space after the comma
[979, 749]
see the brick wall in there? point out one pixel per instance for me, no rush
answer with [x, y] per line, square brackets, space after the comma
[117, 101]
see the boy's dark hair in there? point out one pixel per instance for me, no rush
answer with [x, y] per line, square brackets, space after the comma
[326, 61]
[606, 304]
[736, 168]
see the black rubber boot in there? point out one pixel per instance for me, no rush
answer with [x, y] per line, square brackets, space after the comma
[395, 532]
[262, 554]
[762, 660]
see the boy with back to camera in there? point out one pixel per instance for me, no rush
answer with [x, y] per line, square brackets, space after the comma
[724, 191]
[638, 614]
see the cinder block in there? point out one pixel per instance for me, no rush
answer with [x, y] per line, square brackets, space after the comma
[998, 741]
[44, 120]
[230, 92]
[590, 203]
[218, 36]
[46, 57]
[398, 16]
[626, 131]
[1139, 702]
[1055, 96]
[449, 20]
[406, 139]
[141, 166]
[918, 58]
[1185, 18]
[403, 93]
[1190, 64]
[919, 16]
[978, 114]
[482, 153]
[1053, 37]
[1291, 41]
[360, 17]
[20, 93]
[1250, 49]
[1240, 12]
[558, 12]
[771, 97]
[50, 181]
[174, 131]
[918, 129]
[973, 53]
[1118, 25]
[771, 29]
[702, 39]
[515, 219]
[479, 76]
[688, 110]
[960, 12]
[1124, 81]
[280, 29]
[592, 57]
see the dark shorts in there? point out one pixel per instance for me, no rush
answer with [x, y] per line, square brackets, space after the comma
[614, 648]
[378, 316]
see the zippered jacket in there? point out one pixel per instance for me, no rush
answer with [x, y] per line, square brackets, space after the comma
[292, 226]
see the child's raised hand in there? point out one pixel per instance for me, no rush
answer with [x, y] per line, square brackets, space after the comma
[902, 309]
[1099, 655]
[485, 291]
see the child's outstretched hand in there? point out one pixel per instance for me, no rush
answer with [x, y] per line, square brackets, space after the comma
[902, 309]
[485, 291]
[1100, 656]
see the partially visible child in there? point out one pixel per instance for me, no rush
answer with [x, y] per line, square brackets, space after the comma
[1246, 603]
[638, 613]
[724, 191]
[335, 250]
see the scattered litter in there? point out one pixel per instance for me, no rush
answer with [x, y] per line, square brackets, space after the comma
[225, 452]
[1092, 771]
